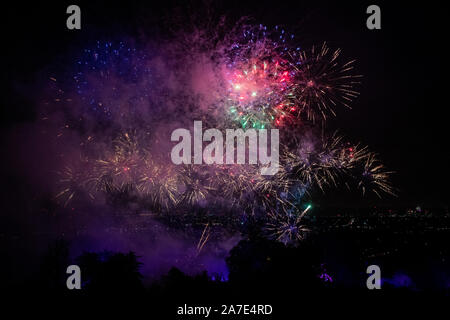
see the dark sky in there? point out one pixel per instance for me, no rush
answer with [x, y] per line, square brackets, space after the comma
[401, 112]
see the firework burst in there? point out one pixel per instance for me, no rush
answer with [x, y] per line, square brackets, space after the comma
[76, 180]
[287, 226]
[254, 91]
[322, 82]
[121, 165]
[264, 82]
[158, 184]
[374, 177]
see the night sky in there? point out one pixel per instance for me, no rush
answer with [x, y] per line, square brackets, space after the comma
[251, 240]
[401, 112]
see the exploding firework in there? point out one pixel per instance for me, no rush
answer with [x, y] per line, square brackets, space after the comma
[317, 163]
[234, 182]
[194, 186]
[158, 184]
[113, 80]
[76, 180]
[258, 77]
[121, 165]
[254, 92]
[322, 82]
[374, 177]
[287, 226]
[265, 82]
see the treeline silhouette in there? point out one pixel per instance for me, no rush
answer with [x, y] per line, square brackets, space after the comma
[261, 271]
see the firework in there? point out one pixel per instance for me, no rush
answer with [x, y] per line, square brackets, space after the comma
[204, 238]
[233, 182]
[265, 82]
[316, 164]
[287, 226]
[255, 91]
[158, 184]
[112, 80]
[121, 165]
[321, 82]
[75, 179]
[194, 186]
[258, 77]
[374, 177]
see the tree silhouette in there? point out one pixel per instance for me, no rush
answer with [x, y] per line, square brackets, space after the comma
[111, 272]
